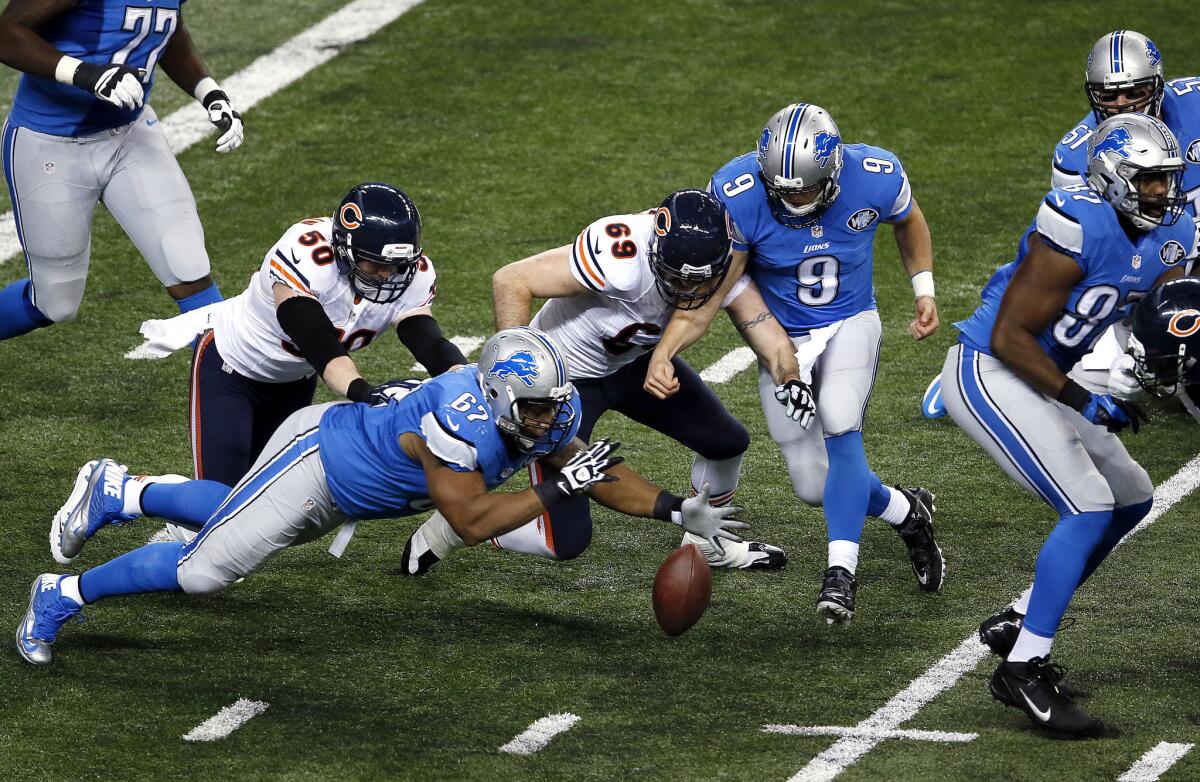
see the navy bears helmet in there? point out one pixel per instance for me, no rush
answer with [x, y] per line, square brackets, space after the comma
[378, 224]
[690, 252]
[1165, 339]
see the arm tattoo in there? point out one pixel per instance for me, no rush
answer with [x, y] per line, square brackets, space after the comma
[745, 325]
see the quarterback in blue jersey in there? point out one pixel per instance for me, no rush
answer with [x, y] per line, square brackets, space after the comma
[81, 130]
[443, 446]
[804, 209]
[1091, 251]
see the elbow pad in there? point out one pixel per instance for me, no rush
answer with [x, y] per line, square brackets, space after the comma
[304, 321]
[423, 337]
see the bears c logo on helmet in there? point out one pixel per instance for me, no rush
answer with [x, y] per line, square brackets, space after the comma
[1181, 326]
[662, 221]
[351, 216]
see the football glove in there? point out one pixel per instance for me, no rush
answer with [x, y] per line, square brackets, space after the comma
[227, 120]
[1122, 379]
[384, 393]
[796, 396]
[587, 468]
[119, 85]
[703, 520]
[1112, 413]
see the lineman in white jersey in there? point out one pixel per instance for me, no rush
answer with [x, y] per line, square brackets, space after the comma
[327, 287]
[611, 293]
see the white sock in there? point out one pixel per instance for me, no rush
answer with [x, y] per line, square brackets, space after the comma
[1028, 646]
[133, 488]
[897, 508]
[1022, 604]
[69, 586]
[440, 536]
[843, 553]
[721, 476]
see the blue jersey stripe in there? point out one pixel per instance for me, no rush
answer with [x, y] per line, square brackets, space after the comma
[10, 144]
[292, 266]
[1117, 60]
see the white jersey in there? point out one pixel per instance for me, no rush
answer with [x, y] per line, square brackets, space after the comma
[247, 331]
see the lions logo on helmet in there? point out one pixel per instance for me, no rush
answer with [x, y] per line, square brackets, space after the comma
[1117, 142]
[824, 145]
[520, 365]
[1126, 147]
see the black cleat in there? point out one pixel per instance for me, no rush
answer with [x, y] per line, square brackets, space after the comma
[417, 558]
[928, 564]
[1033, 688]
[1000, 630]
[836, 601]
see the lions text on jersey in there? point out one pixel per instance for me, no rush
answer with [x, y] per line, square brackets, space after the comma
[1180, 113]
[248, 333]
[95, 31]
[369, 474]
[812, 277]
[1076, 221]
[625, 313]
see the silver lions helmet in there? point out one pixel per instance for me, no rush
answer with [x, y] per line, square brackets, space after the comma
[1124, 74]
[1134, 162]
[800, 162]
[526, 382]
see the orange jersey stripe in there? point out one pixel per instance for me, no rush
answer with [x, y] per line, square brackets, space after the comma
[290, 278]
[581, 251]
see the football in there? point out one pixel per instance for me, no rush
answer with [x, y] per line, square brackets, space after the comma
[682, 589]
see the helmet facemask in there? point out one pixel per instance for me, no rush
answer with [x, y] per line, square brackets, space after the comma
[1148, 97]
[1159, 376]
[401, 259]
[538, 426]
[1145, 210]
[805, 214]
[688, 287]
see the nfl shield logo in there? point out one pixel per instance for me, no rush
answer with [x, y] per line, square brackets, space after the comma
[1137, 261]
[817, 232]
[50, 168]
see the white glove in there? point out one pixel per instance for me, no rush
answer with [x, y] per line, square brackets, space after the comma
[796, 396]
[587, 468]
[384, 393]
[1122, 378]
[703, 520]
[227, 119]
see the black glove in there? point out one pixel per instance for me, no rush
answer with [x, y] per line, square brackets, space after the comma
[226, 119]
[119, 85]
[796, 396]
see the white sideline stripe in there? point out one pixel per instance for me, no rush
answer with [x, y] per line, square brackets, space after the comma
[467, 345]
[946, 672]
[729, 365]
[1155, 762]
[867, 733]
[539, 733]
[262, 78]
[226, 721]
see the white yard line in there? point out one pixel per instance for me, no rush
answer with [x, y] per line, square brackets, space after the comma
[262, 78]
[945, 673]
[1155, 762]
[729, 365]
[539, 733]
[226, 721]
[867, 733]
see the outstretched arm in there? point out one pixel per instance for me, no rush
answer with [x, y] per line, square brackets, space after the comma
[21, 46]
[544, 276]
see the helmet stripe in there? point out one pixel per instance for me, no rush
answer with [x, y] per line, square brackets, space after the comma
[562, 371]
[789, 138]
[1117, 43]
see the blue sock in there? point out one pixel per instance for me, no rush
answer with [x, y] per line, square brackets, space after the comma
[1060, 566]
[17, 314]
[189, 503]
[151, 568]
[210, 295]
[1124, 519]
[880, 497]
[847, 486]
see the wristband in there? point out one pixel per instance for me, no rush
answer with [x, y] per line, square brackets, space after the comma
[64, 72]
[667, 507]
[1074, 395]
[922, 284]
[359, 390]
[203, 88]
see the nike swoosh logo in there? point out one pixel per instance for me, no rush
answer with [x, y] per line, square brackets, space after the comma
[1044, 716]
[1058, 158]
[452, 425]
[1058, 199]
[923, 578]
[935, 403]
[151, 122]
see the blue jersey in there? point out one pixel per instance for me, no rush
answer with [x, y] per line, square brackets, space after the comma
[369, 474]
[1076, 221]
[1180, 113]
[811, 277]
[95, 31]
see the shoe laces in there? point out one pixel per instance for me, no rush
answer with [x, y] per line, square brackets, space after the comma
[50, 619]
[1043, 669]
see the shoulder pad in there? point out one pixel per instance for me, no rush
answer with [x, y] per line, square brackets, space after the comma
[443, 436]
[607, 257]
[302, 258]
[880, 172]
[1066, 213]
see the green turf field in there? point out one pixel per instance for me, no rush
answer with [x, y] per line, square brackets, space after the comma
[513, 125]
